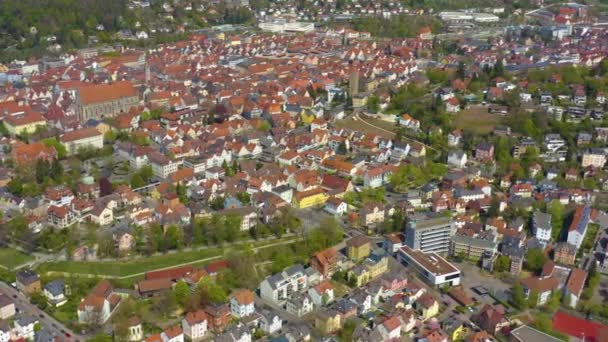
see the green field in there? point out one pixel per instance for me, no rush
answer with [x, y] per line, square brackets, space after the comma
[477, 119]
[136, 267]
[11, 258]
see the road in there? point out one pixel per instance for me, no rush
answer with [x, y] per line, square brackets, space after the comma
[25, 307]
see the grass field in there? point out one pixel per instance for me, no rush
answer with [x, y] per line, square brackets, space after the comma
[477, 119]
[370, 125]
[136, 267]
[11, 258]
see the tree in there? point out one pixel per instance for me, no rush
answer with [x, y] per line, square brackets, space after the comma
[557, 211]
[15, 187]
[60, 148]
[181, 291]
[373, 104]
[502, 264]
[535, 259]
[137, 181]
[518, 297]
[210, 292]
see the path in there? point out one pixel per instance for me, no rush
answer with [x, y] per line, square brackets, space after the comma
[91, 275]
[356, 117]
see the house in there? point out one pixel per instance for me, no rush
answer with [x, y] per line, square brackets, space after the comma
[390, 329]
[7, 307]
[541, 226]
[322, 293]
[236, 333]
[484, 151]
[28, 281]
[54, 293]
[427, 306]
[325, 262]
[270, 322]
[25, 327]
[574, 286]
[102, 215]
[595, 157]
[452, 105]
[328, 321]
[279, 287]
[242, 303]
[299, 304]
[371, 214]
[457, 159]
[194, 325]
[173, 334]
[392, 242]
[218, 316]
[541, 286]
[336, 206]
[153, 287]
[491, 318]
[98, 305]
[579, 224]
[136, 332]
[454, 138]
[359, 247]
[23, 122]
[313, 197]
[409, 122]
[83, 138]
[564, 253]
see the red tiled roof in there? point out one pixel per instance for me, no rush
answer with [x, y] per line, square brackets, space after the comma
[80, 134]
[173, 273]
[100, 93]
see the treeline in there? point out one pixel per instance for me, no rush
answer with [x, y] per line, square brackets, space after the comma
[399, 26]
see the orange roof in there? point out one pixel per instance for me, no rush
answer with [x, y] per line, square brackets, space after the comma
[106, 92]
[243, 296]
[78, 134]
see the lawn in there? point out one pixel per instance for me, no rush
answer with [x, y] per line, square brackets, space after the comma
[477, 119]
[366, 127]
[11, 258]
[133, 268]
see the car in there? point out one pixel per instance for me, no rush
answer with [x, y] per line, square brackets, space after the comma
[41, 315]
[62, 331]
[67, 335]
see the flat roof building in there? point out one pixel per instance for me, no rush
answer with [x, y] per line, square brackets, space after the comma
[433, 268]
[430, 234]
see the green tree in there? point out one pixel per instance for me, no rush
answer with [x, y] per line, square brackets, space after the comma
[210, 292]
[535, 259]
[137, 181]
[15, 187]
[60, 148]
[557, 211]
[502, 264]
[373, 104]
[181, 291]
[518, 297]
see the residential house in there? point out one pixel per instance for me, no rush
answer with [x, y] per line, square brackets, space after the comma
[541, 286]
[28, 281]
[457, 159]
[281, 286]
[24, 327]
[173, 334]
[83, 138]
[427, 306]
[328, 321]
[7, 307]
[322, 293]
[326, 262]
[578, 226]
[54, 292]
[336, 206]
[270, 322]
[359, 247]
[242, 303]
[564, 253]
[194, 325]
[491, 318]
[541, 226]
[574, 286]
[98, 305]
[299, 304]
[218, 316]
[372, 213]
[484, 151]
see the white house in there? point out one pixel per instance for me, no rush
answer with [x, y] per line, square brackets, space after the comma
[173, 334]
[409, 122]
[270, 322]
[24, 327]
[82, 138]
[574, 286]
[7, 307]
[300, 304]
[322, 293]
[578, 227]
[390, 329]
[5, 332]
[54, 293]
[242, 303]
[457, 159]
[541, 226]
[194, 325]
[281, 286]
[336, 206]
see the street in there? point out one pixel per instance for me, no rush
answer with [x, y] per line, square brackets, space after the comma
[23, 306]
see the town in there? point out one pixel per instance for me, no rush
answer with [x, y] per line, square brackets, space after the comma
[295, 171]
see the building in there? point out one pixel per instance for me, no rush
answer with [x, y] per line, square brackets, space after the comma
[595, 157]
[173, 334]
[218, 316]
[541, 226]
[54, 292]
[242, 303]
[162, 166]
[326, 262]
[430, 234]
[336, 206]
[431, 267]
[359, 247]
[578, 227]
[81, 138]
[328, 321]
[7, 307]
[484, 151]
[525, 333]
[281, 286]
[457, 159]
[136, 332]
[23, 122]
[194, 325]
[428, 306]
[564, 253]
[25, 327]
[574, 286]
[541, 286]
[98, 101]
[491, 318]
[28, 282]
[98, 305]
[472, 247]
[310, 198]
[300, 304]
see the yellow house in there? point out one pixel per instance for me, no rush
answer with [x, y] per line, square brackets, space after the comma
[24, 123]
[459, 333]
[359, 247]
[360, 275]
[428, 306]
[359, 100]
[328, 321]
[368, 271]
[310, 198]
[377, 268]
[307, 117]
